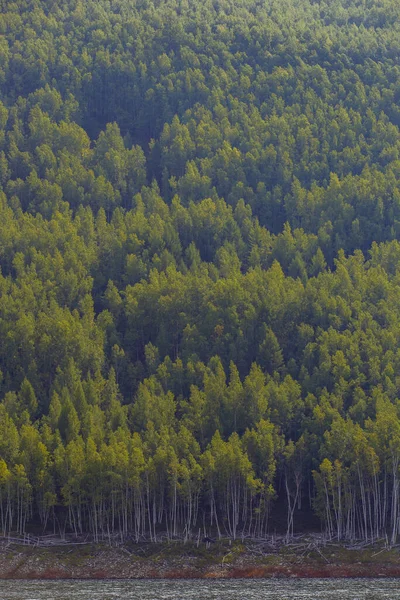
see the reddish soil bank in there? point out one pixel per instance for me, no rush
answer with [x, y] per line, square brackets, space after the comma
[177, 561]
[318, 571]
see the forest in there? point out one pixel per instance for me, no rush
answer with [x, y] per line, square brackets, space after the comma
[200, 268]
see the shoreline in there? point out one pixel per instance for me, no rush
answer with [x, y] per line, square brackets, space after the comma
[222, 560]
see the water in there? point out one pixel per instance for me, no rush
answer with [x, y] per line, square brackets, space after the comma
[238, 589]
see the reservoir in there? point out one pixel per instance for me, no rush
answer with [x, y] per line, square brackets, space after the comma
[238, 589]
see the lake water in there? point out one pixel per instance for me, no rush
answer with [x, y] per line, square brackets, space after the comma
[238, 589]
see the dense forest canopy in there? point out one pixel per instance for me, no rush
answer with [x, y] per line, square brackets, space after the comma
[200, 282]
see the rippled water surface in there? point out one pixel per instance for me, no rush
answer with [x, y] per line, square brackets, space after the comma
[240, 589]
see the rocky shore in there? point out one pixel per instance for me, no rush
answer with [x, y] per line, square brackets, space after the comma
[307, 557]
